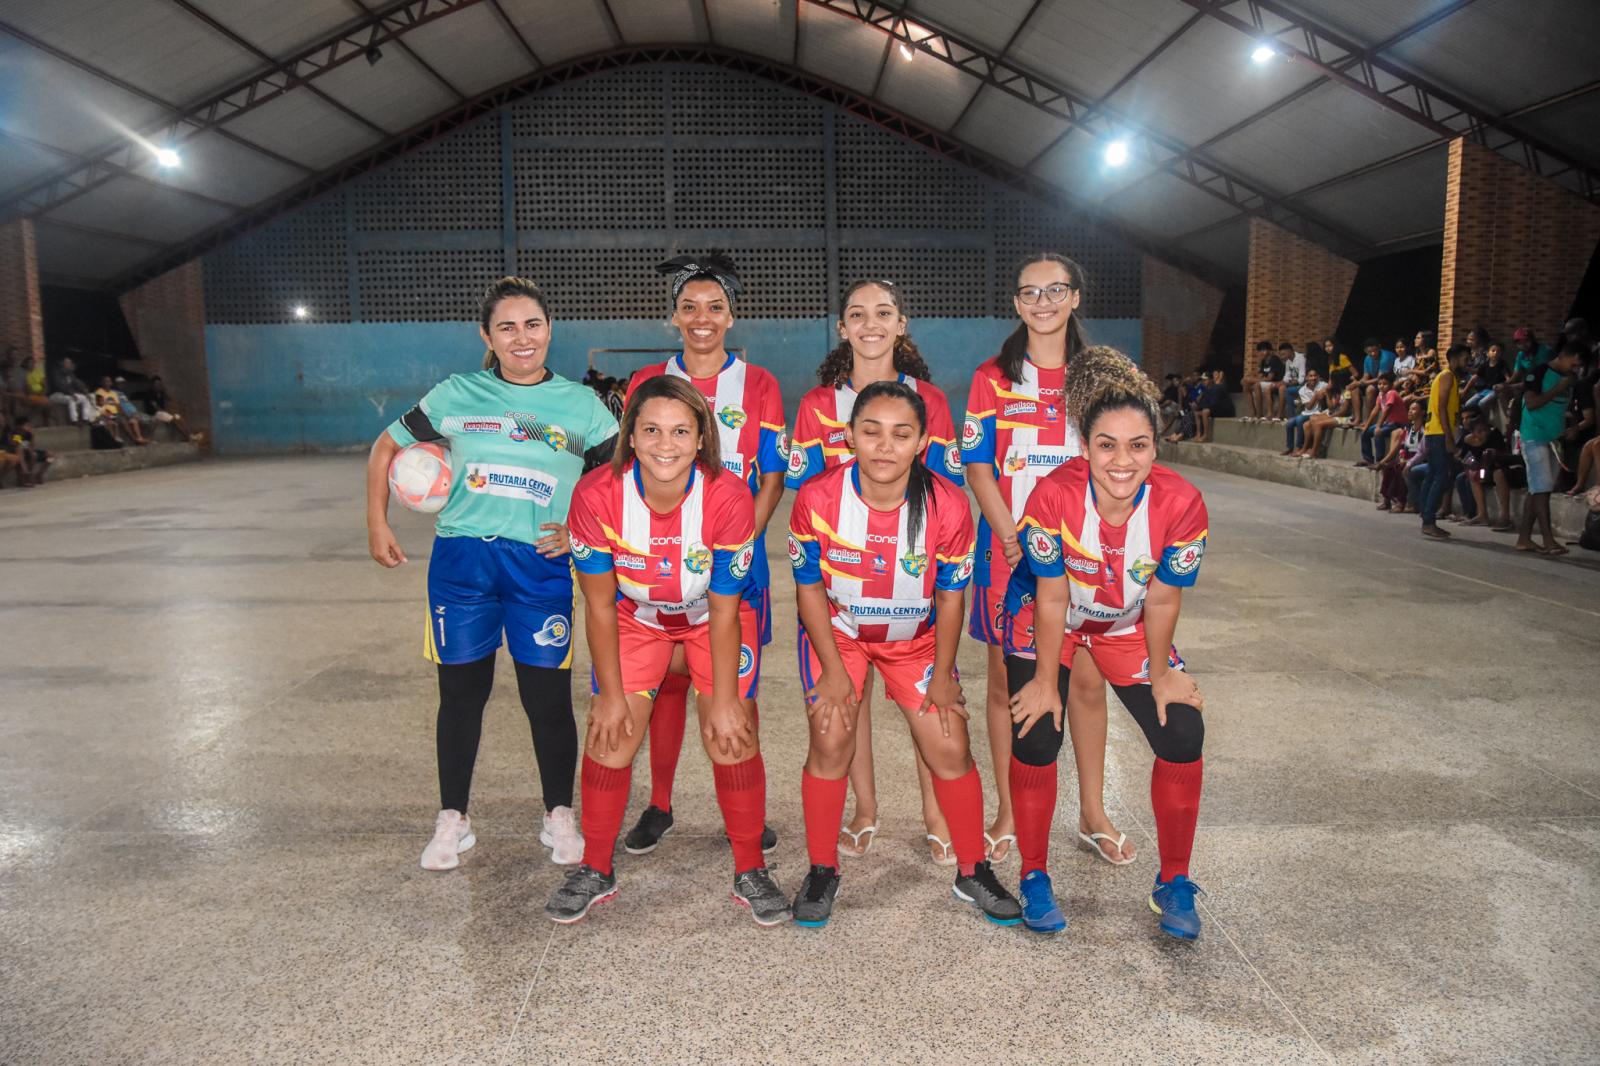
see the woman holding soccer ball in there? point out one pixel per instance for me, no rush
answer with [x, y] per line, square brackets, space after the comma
[518, 438]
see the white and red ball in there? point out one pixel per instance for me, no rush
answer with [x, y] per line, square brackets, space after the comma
[419, 477]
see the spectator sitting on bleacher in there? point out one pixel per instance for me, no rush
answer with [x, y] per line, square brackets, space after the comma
[1387, 414]
[1336, 408]
[1428, 361]
[1261, 390]
[1312, 397]
[1294, 375]
[1486, 461]
[1405, 449]
[1171, 404]
[1484, 383]
[1211, 401]
[112, 415]
[1581, 407]
[1376, 362]
[28, 380]
[1405, 364]
[70, 392]
[158, 405]
[1341, 370]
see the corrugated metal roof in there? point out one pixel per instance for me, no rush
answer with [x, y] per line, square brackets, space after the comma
[60, 102]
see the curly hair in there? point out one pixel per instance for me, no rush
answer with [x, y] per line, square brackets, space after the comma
[836, 366]
[1101, 379]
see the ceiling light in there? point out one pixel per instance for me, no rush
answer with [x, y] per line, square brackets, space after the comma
[1264, 53]
[166, 157]
[1116, 153]
[906, 53]
[302, 311]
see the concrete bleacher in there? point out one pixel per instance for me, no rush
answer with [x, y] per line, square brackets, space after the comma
[1250, 449]
[74, 458]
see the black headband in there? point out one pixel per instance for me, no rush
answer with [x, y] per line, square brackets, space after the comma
[712, 266]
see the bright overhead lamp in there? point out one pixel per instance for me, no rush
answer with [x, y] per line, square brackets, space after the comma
[301, 311]
[1264, 53]
[1116, 153]
[166, 157]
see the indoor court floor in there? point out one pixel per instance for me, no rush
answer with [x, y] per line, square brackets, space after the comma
[217, 773]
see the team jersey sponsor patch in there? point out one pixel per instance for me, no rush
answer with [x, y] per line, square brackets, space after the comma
[579, 549]
[743, 559]
[964, 571]
[747, 660]
[971, 433]
[914, 565]
[555, 634]
[1141, 570]
[797, 554]
[516, 482]
[1186, 557]
[1042, 547]
[952, 460]
[927, 679]
[783, 445]
[731, 416]
[697, 560]
[472, 424]
[1087, 566]
[797, 461]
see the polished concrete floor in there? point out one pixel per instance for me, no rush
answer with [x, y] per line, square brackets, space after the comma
[216, 775]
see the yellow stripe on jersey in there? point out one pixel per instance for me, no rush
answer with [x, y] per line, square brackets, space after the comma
[623, 579]
[823, 565]
[818, 521]
[831, 423]
[1072, 542]
[615, 536]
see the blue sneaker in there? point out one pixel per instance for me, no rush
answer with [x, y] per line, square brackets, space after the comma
[1039, 910]
[1174, 901]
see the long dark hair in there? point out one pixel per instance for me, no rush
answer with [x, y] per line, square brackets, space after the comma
[1014, 352]
[835, 369]
[919, 489]
[505, 289]
[666, 387]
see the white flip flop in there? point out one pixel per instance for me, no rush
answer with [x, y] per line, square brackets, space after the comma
[855, 840]
[946, 857]
[1009, 839]
[1091, 841]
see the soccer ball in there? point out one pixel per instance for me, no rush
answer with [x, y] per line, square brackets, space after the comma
[419, 477]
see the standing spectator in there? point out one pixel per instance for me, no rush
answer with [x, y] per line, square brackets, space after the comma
[1387, 415]
[1294, 375]
[1405, 448]
[1580, 407]
[1545, 391]
[158, 405]
[70, 392]
[1312, 396]
[1269, 372]
[1444, 419]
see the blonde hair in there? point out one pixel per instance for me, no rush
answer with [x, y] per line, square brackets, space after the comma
[1101, 379]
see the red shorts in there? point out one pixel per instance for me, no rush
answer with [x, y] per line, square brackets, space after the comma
[647, 652]
[906, 666]
[1121, 660]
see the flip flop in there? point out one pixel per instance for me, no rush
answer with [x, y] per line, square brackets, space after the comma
[1559, 549]
[946, 857]
[870, 832]
[991, 843]
[1091, 842]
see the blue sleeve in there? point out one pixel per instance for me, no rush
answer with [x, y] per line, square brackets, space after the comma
[806, 558]
[770, 457]
[591, 560]
[805, 463]
[954, 576]
[730, 569]
[977, 439]
[945, 460]
[1180, 564]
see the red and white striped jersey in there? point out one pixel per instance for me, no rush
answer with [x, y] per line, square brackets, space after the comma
[880, 585]
[819, 441]
[749, 410]
[665, 564]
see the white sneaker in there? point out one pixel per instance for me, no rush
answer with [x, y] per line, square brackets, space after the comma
[560, 834]
[452, 834]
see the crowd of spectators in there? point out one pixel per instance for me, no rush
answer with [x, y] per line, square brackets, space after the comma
[1450, 432]
[32, 394]
[613, 392]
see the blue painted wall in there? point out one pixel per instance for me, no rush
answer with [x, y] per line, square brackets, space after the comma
[316, 387]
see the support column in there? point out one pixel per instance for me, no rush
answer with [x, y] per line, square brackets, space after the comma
[1177, 313]
[1515, 247]
[21, 314]
[1296, 290]
[167, 318]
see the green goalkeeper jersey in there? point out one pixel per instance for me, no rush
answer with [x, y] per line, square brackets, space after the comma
[516, 451]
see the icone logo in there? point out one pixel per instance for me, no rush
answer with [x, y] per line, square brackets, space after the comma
[666, 540]
[879, 538]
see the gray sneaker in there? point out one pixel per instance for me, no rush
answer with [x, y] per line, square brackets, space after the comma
[756, 889]
[813, 904]
[984, 891]
[583, 888]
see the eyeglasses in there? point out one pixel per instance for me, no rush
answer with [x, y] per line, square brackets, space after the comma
[1030, 294]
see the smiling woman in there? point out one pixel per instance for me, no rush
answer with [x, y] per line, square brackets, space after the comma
[519, 438]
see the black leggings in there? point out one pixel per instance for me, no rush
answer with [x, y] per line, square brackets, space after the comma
[1180, 740]
[546, 699]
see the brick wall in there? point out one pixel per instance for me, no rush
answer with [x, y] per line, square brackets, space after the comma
[1515, 247]
[21, 317]
[167, 318]
[1296, 290]
[1177, 314]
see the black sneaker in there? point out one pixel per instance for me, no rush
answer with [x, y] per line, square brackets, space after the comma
[813, 904]
[756, 890]
[985, 892]
[583, 888]
[647, 832]
[769, 840]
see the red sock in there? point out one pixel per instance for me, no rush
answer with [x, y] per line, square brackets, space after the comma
[667, 718]
[742, 794]
[961, 803]
[605, 800]
[823, 801]
[1175, 795]
[1033, 802]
